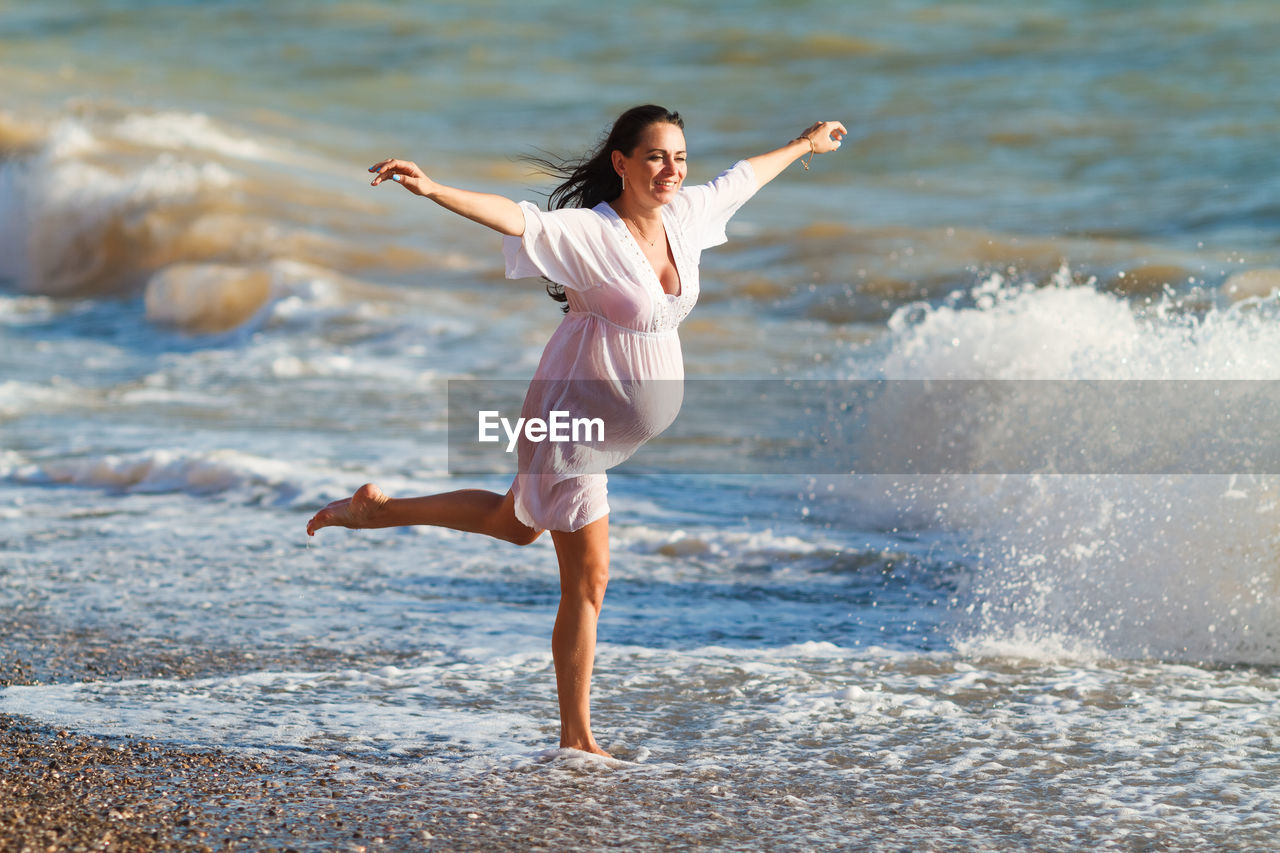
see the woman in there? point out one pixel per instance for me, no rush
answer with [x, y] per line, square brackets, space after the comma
[621, 247]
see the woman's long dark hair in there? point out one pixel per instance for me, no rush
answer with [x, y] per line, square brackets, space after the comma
[587, 181]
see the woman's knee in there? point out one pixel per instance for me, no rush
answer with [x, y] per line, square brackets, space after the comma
[518, 534]
[589, 582]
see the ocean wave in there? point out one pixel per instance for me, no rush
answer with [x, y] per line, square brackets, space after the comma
[206, 297]
[158, 471]
[84, 223]
[192, 131]
[105, 203]
[719, 544]
[1008, 329]
[1176, 567]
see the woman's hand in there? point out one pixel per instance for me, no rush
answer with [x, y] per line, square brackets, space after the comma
[492, 211]
[825, 136]
[403, 172]
[822, 137]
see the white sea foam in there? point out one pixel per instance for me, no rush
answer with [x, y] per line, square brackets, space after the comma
[19, 398]
[185, 131]
[390, 711]
[1170, 566]
[20, 310]
[719, 543]
[1019, 330]
[156, 471]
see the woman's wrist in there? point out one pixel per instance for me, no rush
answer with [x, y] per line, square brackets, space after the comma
[807, 141]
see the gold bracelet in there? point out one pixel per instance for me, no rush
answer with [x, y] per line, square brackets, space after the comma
[813, 149]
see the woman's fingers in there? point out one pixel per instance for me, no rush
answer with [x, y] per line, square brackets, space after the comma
[412, 184]
[385, 171]
[401, 171]
[829, 136]
[826, 135]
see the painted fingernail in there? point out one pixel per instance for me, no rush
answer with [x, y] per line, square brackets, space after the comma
[398, 178]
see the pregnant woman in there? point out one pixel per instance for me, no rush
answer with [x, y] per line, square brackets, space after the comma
[621, 247]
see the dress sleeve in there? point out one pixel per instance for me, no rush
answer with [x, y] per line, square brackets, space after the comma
[710, 206]
[555, 244]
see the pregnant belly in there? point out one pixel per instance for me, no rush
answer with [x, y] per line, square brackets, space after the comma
[603, 422]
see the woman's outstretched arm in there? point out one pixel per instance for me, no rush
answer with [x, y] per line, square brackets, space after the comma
[493, 211]
[821, 138]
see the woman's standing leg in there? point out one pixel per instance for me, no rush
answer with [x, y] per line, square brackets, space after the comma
[584, 574]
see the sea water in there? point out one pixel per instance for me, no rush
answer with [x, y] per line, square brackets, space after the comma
[210, 326]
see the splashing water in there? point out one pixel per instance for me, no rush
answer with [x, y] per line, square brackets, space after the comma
[1180, 567]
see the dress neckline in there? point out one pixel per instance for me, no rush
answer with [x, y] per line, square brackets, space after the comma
[646, 264]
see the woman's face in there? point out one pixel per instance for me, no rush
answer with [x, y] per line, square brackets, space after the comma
[656, 168]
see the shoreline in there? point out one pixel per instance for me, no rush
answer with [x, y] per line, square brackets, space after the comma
[64, 790]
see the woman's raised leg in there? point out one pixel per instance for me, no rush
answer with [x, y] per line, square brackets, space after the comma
[472, 510]
[584, 574]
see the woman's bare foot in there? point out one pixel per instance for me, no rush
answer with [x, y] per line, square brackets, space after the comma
[589, 745]
[359, 510]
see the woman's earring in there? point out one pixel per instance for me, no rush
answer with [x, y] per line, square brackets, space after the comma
[624, 182]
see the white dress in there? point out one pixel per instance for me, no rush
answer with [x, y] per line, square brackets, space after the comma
[616, 355]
